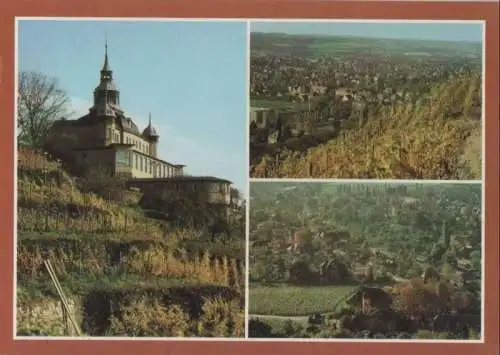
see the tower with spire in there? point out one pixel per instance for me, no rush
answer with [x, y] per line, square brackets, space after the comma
[106, 94]
[152, 137]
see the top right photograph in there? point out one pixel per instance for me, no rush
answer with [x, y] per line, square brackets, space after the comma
[366, 100]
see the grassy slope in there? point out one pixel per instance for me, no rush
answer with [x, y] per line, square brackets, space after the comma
[405, 142]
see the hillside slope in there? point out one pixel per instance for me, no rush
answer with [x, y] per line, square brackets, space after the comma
[438, 138]
[124, 273]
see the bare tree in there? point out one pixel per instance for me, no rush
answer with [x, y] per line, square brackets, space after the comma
[40, 102]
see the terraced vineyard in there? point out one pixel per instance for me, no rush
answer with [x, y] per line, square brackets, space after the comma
[124, 273]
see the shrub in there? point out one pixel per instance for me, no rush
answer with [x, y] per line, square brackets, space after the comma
[155, 320]
[259, 329]
[218, 320]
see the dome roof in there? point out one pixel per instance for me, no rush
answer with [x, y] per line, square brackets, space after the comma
[149, 131]
[129, 126]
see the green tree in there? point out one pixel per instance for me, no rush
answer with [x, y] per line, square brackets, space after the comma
[475, 258]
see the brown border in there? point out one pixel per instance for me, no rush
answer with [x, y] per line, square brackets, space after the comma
[251, 9]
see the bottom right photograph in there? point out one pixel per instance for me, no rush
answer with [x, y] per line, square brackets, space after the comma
[367, 260]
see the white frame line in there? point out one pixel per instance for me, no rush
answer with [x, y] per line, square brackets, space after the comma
[248, 22]
[247, 208]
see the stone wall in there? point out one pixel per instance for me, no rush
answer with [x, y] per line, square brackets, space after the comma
[45, 317]
[208, 191]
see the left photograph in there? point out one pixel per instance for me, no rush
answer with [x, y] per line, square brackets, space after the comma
[131, 178]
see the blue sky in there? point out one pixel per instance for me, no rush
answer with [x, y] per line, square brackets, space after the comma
[191, 76]
[469, 32]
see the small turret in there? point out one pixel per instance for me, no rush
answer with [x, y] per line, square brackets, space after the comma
[149, 132]
[152, 137]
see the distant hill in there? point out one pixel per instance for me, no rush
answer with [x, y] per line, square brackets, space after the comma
[316, 45]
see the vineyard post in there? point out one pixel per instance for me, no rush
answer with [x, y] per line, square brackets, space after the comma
[44, 170]
[82, 224]
[46, 220]
[65, 319]
[34, 266]
[66, 219]
[85, 209]
[37, 220]
[80, 261]
[326, 160]
[91, 223]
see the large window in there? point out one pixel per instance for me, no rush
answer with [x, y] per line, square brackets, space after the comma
[122, 158]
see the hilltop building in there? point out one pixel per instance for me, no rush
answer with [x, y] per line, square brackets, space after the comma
[106, 138]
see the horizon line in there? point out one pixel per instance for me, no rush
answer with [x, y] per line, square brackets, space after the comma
[365, 37]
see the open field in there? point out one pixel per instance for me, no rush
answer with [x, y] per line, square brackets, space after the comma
[300, 301]
[317, 45]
